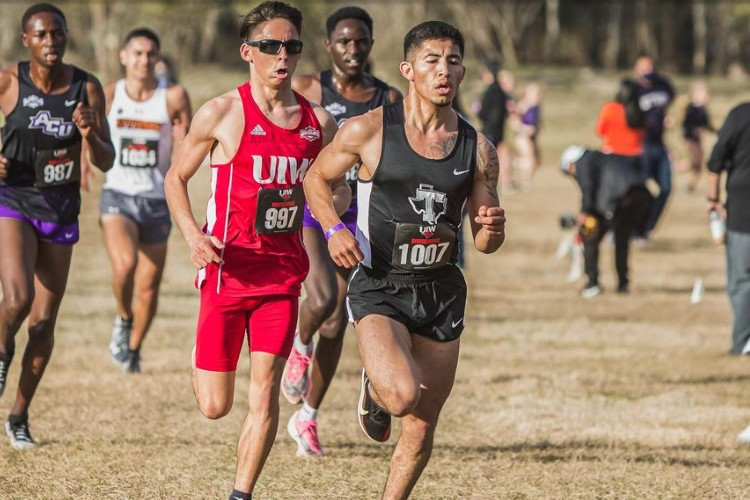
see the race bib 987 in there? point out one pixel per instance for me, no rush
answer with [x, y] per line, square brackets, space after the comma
[53, 167]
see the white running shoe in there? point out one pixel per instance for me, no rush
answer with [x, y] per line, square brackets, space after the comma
[305, 434]
[744, 436]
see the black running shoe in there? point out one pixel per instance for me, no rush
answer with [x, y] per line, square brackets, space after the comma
[374, 420]
[19, 435]
[5, 360]
[132, 363]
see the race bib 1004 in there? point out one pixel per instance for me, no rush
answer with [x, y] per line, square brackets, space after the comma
[279, 210]
[139, 153]
[417, 247]
[53, 167]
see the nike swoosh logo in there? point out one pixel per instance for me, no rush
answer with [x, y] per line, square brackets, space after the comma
[70, 103]
[69, 235]
[457, 172]
[454, 324]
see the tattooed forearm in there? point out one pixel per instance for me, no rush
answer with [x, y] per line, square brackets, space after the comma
[442, 149]
[488, 166]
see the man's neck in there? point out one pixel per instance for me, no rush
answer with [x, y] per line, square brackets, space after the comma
[47, 79]
[344, 83]
[427, 117]
[270, 99]
[140, 89]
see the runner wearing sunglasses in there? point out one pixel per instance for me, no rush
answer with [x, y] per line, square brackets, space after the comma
[261, 138]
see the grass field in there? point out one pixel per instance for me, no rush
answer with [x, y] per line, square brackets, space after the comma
[556, 397]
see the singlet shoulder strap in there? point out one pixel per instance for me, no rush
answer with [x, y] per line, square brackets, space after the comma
[24, 75]
[326, 79]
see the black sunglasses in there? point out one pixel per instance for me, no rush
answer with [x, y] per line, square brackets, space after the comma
[270, 46]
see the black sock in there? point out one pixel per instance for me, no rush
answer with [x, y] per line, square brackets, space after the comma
[7, 357]
[240, 495]
[18, 419]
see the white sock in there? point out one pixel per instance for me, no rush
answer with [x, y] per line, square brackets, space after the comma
[307, 412]
[303, 348]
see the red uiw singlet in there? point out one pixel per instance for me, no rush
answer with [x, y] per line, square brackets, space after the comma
[256, 205]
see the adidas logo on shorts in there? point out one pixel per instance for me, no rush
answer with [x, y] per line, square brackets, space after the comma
[258, 130]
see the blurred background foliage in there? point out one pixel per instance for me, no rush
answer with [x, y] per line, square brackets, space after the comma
[693, 37]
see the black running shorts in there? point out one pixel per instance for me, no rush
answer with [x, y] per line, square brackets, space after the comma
[429, 304]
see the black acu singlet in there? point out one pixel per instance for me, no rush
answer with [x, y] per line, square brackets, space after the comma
[409, 212]
[44, 148]
[342, 109]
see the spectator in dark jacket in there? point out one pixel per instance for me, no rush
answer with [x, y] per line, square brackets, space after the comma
[732, 154]
[613, 197]
[655, 94]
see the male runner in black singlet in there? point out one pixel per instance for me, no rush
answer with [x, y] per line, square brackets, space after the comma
[419, 163]
[51, 110]
[345, 90]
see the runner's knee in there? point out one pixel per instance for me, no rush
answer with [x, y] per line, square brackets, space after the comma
[123, 268]
[213, 406]
[403, 398]
[321, 303]
[334, 327]
[17, 304]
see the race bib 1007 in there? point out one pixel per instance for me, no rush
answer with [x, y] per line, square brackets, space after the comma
[417, 247]
[53, 167]
[279, 210]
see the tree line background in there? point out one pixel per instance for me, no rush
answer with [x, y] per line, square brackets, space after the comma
[686, 36]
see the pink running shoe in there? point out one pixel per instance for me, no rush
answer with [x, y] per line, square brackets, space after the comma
[295, 380]
[305, 434]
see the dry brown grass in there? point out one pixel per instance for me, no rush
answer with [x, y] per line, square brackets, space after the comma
[556, 397]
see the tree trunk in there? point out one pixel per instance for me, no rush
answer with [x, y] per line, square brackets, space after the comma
[105, 37]
[699, 36]
[614, 24]
[643, 32]
[552, 25]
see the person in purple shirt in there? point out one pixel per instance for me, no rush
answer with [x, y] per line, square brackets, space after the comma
[527, 131]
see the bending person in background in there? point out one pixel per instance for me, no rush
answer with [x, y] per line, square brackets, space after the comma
[346, 90]
[149, 119]
[613, 197]
[52, 110]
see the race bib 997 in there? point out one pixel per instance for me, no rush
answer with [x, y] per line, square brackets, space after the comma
[417, 247]
[53, 167]
[279, 210]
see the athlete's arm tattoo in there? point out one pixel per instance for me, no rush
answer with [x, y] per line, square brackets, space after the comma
[442, 149]
[488, 167]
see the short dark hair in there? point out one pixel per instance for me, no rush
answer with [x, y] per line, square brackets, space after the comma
[268, 11]
[432, 30]
[356, 13]
[38, 9]
[143, 33]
